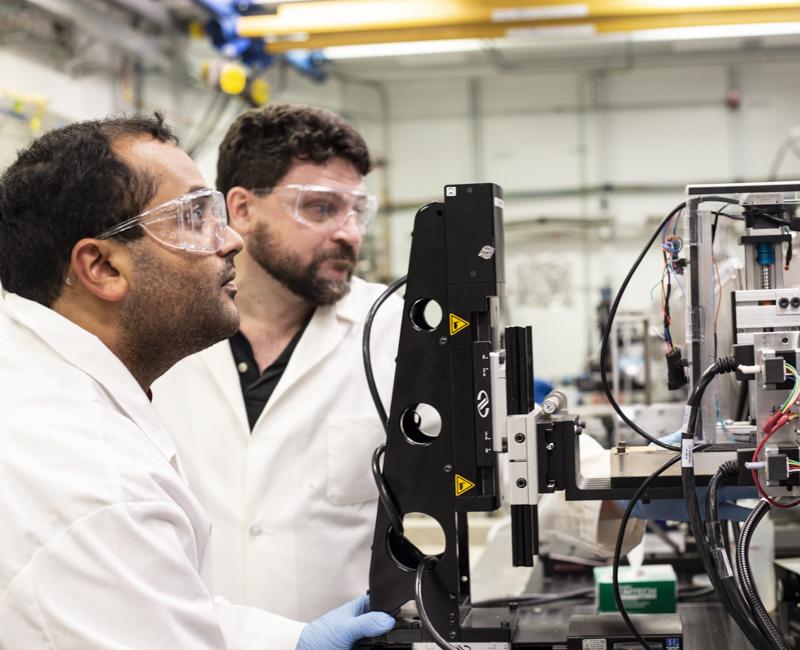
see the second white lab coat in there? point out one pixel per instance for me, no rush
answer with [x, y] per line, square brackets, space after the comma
[293, 503]
[102, 545]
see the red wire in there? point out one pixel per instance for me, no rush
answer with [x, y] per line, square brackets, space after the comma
[663, 303]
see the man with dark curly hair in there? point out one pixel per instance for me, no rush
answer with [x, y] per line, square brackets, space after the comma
[116, 261]
[275, 426]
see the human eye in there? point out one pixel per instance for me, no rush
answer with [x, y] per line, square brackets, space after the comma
[319, 207]
[196, 212]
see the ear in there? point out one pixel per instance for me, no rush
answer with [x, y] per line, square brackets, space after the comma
[102, 267]
[239, 215]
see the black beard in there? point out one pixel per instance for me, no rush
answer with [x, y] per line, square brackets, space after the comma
[306, 282]
[173, 314]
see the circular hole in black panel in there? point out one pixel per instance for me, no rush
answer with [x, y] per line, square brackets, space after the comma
[403, 553]
[421, 424]
[426, 314]
[424, 535]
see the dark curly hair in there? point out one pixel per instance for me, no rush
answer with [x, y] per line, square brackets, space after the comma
[262, 144]
[66, 185]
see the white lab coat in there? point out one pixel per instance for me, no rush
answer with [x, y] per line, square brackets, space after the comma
[293, 503]
[102, 543]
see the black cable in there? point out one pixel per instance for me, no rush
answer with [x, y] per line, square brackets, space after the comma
[738, 610]
[429, 561]
[534, 600]
[745, 575]
[367, 355]
[607, 334]
[719, 541]
[613, 311]
[618, 549]
[727, 469]
[736, 529]
[385, 495]
[743, 404]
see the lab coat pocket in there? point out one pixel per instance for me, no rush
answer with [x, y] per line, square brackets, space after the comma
[351, 443]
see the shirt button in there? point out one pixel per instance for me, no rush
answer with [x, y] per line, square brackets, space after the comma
[256, 530]
[242, 367]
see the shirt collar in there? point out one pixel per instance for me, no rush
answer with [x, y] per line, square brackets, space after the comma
[83, 350]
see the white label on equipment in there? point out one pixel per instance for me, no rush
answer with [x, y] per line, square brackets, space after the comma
[450, 191]
[687, 456]
[594, 644]
[498, 202]
[465, 646]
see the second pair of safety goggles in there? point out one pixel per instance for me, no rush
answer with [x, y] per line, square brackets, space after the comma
[194, 222]
[324, 208]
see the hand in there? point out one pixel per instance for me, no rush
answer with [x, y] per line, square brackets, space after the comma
[675, 509]
[341, 628]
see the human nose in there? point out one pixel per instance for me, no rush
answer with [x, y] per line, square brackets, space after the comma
[231, 242]
[349, 230]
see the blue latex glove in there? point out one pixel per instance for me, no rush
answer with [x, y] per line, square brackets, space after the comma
[675, 509]
[341, 628]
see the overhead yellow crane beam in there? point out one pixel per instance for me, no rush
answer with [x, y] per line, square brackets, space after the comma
[378, 16]
[608, 24]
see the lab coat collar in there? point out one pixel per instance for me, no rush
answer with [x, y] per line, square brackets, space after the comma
[326, 329]
[221, 365]
[328, 326]
[351, 308]
[83, 350]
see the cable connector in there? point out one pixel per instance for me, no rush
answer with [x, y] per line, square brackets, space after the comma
[676, 369]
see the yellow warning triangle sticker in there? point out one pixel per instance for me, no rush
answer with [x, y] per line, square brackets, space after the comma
[463, 485]
[457, 324]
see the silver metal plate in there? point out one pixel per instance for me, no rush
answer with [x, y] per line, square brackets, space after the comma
[465, 646]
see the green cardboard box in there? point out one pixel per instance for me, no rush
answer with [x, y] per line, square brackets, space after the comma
[649, 589]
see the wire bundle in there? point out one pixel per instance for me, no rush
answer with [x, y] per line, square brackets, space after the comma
[776, 421]
[752, 620]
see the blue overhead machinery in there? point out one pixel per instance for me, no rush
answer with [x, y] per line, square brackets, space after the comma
[222, 29]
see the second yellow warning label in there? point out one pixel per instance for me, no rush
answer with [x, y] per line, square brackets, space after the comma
[463, 485]
[457, 324]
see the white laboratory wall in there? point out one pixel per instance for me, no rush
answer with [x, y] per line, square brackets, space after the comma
[552, 140]
[643, 131]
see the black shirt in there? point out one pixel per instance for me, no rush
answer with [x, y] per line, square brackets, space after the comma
[257, 389]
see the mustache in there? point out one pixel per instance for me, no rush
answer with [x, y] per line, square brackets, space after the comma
[228, 272]
[342, 252]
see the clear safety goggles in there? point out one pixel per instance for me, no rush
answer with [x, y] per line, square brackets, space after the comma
[194, 222]
[324, 208]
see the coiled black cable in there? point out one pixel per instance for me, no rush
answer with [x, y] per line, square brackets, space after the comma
[746, 578]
